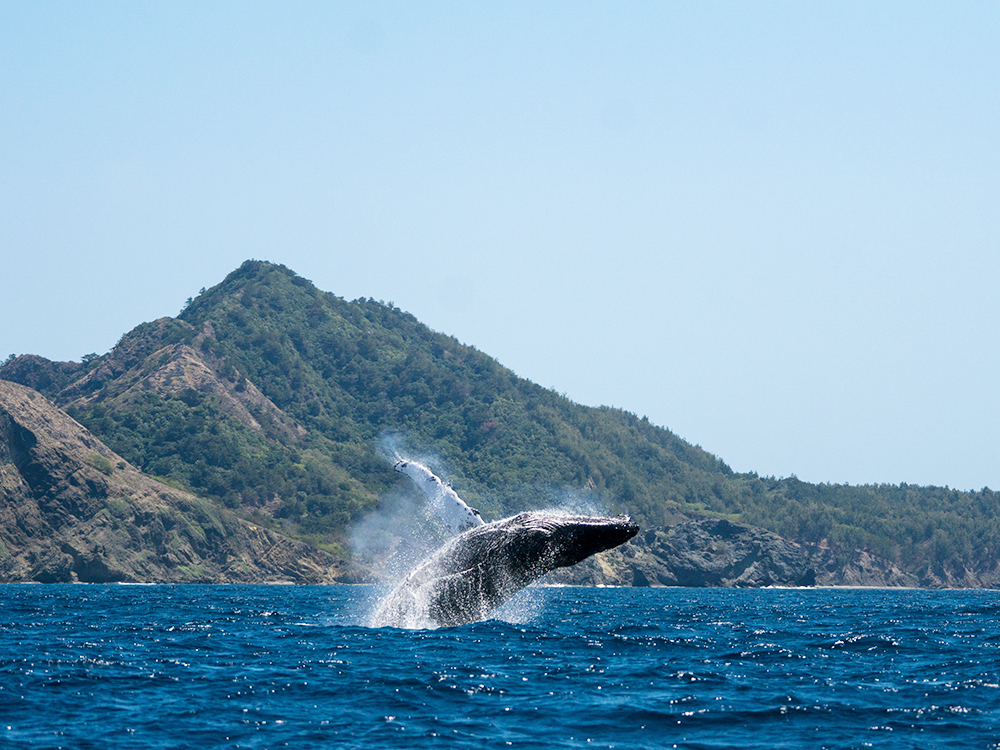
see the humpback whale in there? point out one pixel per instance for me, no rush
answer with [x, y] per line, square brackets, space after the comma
[478, 570]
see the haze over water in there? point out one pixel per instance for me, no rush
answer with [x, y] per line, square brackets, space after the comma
[264, 667]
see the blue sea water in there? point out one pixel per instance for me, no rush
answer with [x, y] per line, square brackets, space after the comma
[279, 666]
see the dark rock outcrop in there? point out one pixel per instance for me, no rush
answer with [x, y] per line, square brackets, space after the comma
[73, 510]
[723, 553]
[706, 552]
[717, 552]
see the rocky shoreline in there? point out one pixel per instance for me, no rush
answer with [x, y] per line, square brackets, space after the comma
[715, 552]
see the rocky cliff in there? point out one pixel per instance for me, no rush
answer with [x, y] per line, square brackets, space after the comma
[73, 510]
[718, 552]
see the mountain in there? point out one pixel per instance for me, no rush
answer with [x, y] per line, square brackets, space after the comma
[283, 403]
[73, 510]
[271, 397]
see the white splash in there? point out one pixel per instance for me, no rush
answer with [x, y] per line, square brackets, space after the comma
[452, 510]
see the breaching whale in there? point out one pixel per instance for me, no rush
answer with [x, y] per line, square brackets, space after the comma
[480, 569]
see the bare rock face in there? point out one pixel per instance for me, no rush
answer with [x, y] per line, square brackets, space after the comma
[135, 367]
[73, 510]
[717, 552]
[706, 552]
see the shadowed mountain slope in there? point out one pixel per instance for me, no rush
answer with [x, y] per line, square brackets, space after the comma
[73, 510]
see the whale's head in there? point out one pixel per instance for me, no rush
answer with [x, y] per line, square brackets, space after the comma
[568, 539]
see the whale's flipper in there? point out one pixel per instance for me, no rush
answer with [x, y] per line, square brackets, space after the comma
[456, 515]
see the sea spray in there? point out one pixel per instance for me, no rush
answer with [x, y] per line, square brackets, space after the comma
[393, 538]
[406, 526]
[404, 531]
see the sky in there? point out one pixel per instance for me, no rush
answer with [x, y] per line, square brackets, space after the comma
[773, 228]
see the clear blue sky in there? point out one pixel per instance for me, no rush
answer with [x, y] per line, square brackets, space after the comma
[773, 228]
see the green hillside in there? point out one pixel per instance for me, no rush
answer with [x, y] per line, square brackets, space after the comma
[279, 400]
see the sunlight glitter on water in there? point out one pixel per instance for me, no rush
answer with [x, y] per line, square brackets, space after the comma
[265, 666]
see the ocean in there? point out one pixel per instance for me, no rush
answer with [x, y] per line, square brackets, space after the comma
[117, 666]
